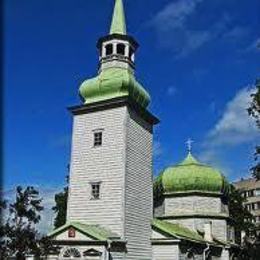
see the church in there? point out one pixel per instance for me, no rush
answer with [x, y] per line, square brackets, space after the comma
[111, 214]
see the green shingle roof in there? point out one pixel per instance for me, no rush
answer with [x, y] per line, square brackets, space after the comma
[191, 175]
[180, 232]
[118, 25]
[95, 231]
[176, 230]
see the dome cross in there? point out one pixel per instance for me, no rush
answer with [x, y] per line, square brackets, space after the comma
[189, 143]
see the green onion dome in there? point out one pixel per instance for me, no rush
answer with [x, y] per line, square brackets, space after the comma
[113, 83]
[192, 176]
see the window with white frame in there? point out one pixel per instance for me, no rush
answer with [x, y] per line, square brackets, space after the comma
[95, 190]
[109, 49]
[98, 138]
[257, 192]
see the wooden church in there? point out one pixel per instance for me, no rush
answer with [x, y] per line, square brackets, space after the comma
[110, 213]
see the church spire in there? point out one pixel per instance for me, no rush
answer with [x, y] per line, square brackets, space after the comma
[116, 66]
[118, 25]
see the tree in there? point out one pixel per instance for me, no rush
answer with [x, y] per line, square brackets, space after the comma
[3, 251]
[254, 111]
[241, 217]
[60, 208]
[19, 234]
[243, 222]
[61, 200]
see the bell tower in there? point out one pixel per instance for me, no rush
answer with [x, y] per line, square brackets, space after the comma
[117, 49]
[111, 158]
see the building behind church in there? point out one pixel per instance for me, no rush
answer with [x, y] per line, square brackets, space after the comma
[250, 190]
[110, 213]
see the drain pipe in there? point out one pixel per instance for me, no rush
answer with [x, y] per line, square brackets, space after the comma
[107, 250]
[205, 250]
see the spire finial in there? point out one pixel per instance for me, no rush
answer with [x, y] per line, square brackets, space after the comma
[118, 25]
[189, 144]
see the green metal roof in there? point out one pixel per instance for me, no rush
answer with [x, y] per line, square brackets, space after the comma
[118, 25]
[181, 232]
[113, 83]
[95, 231]
[191, 175]
[176, 230]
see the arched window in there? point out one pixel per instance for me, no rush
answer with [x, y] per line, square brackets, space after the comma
[109, 49]
[71, 253]
[120, 49]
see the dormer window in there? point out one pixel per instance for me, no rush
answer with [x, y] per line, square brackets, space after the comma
[120, 49]
[109, 49]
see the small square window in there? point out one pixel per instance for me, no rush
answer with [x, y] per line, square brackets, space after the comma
[71, 232]
[95, 191]
[97, 138]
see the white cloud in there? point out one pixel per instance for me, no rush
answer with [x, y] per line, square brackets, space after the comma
[176, 31]
[234, 129]
[174, 14]
[47, 215]
[235, 126]
[171, 22]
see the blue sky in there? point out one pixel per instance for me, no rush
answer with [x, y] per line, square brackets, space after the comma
[198, 59]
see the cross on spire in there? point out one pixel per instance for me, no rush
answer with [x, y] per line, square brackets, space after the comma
[189, 144]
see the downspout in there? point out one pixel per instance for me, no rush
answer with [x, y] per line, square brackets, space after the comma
[108, 249]
[205, 250]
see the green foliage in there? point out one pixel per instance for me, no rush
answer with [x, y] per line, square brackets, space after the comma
[241, 217]
[60, 208]
[242, 222]
[254, 111]
[61, 200]
[3, 205]
[250, 247]
[158, 191]
[19, 235]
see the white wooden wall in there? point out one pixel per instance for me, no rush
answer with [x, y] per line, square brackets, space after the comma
[165, 252]
[105, 164]
[138, 192]
[123, 165]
